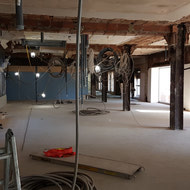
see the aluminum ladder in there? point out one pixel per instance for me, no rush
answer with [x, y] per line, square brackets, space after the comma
[9, 155]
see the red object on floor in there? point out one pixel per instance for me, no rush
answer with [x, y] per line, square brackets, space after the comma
[59, 152]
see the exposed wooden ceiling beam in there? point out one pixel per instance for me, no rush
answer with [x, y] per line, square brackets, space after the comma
[90, 26]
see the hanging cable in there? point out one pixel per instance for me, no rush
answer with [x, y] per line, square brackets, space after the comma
[91, 61]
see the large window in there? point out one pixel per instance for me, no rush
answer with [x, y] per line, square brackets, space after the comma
[111, 81]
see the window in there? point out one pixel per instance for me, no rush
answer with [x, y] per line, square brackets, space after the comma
[111, 81]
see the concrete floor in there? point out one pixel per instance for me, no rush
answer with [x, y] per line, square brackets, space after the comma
[140, 136]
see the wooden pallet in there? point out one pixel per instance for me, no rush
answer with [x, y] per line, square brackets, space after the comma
[95, 164]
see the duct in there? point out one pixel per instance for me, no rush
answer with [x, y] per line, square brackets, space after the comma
[19, 15]
[46, 43]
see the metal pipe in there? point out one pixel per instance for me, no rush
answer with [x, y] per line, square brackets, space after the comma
[19, 15]
[77, 92]
[82, 67]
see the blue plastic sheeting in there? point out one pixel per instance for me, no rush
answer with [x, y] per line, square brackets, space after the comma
[22, 87]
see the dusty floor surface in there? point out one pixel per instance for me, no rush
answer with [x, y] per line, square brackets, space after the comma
[140, 136]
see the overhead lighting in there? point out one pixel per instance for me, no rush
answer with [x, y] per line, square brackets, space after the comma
[37, 75]
[33, 54]
[16, 73]
[97, 68]
[43, 95]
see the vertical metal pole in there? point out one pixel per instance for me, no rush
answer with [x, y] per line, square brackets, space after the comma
[82, 67]
[179, 80]
[77, 92]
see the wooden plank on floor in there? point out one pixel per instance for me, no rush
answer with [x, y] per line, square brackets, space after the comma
[95, 164]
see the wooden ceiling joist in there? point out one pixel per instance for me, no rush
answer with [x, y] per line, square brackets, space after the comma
[90, 26]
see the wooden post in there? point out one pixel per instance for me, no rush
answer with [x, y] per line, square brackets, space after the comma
[93, 85]
[170, 38]
[104, 86]
[179, 76]
[172, 60]
[126, 84]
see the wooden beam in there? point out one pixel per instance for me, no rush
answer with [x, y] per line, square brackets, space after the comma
[43, 23]
[179, 76]
[170, 38]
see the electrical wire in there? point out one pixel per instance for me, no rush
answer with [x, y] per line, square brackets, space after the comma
[61, 180]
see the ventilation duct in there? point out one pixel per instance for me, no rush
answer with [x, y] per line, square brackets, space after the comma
[19, 15]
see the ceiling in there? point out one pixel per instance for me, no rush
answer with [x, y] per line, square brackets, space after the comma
[167, 10]
[151, 10]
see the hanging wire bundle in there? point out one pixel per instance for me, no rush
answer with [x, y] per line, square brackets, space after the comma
[60, 180]
[91, 61]
[53, 62]
[125, 67]
[106, 60]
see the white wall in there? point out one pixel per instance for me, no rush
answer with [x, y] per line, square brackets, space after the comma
[187, 88]
[153, 85]
[3, 101]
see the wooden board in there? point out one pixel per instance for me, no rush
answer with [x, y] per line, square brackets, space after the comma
[95, 164]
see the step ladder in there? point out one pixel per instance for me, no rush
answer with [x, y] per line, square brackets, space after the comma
[9, 155]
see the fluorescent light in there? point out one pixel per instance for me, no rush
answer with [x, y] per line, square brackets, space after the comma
[97, 68]
[43, 95]
[37, 75]
[33, 54]
[16, 73]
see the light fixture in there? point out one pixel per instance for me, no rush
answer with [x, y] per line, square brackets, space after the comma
[97, 68]
[32, 54]
[43, 95]
[16, 73]
[37, 75]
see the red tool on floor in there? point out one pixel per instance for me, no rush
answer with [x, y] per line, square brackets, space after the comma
[59, 152]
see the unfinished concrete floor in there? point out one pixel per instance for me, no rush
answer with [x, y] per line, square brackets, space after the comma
[140, 136]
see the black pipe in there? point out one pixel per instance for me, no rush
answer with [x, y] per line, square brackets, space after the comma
[19, 15]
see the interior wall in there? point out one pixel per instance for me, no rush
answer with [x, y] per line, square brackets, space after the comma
[187, 88]
[153, 85]
[143, 85]
[22, 87]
